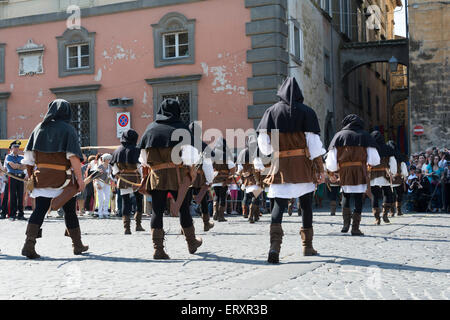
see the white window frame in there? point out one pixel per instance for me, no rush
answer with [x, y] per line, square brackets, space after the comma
[78, 55]
[177, 45]
[300, 57]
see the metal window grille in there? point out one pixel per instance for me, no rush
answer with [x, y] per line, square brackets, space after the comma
[185, 105]
[81, 121]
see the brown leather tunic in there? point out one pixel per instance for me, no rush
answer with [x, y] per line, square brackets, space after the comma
[398, 178]
[250, 176]
[164, 179]
[351, 175]
[224, 174]
[47, 177]
[129, 172]
[295, 169]
[380, 170]
[200, 180]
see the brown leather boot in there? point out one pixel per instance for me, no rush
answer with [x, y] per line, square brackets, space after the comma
[221, 214]
[386, 207]
[30, 241]
[207, 225]
[332, 208]
[256, 212]
[158, 244]
[355, 224]
[347, 216]
[398, 205]
[290, 205]
[276, 238]
[376, 214]
[245, 212]
[126, 224]
[391, 211]
[251, 216]
[78, 247]
[138, 219]
[307, 238]
[192, 242]
[215, 210]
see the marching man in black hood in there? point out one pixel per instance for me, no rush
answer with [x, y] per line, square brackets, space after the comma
[125, 160]
[350, 151]
[399, 180]
[157, 152]
[250, 168]
[296, 165]
[200, 186]
[381, 178]
[53, 149]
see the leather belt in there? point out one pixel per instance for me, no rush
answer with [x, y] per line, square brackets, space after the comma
[52, 166]
[351, 164]
[378, 169]
[128, 171]
[168, 165]
[290, 153]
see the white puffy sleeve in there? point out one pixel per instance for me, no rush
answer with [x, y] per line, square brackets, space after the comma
[393, 165]
[143, 157]
[28, 158]
[231, 164]
[264, 143]
[115, 169]
[258, 164]
[314, 144]
[239, 168]
[331, 162]
[404, 169]
[208, 170]
[373, 158]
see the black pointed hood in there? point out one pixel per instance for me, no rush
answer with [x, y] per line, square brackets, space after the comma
[352, 134]
[159, 133]
[290, 114]
[55, 133]
[127, 152]
[383, 149]
[250, 152]
[399, 156]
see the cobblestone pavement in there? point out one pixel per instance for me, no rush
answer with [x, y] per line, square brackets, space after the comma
[407, 259]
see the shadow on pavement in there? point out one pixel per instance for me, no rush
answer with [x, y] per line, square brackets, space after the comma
[383, 265]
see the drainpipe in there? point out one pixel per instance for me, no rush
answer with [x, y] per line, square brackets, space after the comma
[333, 82]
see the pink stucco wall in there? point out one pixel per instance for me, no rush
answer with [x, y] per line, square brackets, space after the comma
[124, 57]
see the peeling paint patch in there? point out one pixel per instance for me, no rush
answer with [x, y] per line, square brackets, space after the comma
[205, 68]
[98, 77]
[144, 100]
[145, 115]
[11, 86]
[119, 53]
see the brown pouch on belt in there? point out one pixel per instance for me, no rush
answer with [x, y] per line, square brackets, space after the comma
[68, 193]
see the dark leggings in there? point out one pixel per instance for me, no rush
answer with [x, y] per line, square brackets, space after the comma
[159, 198]
[381, 193]
[139, 205]
[280, 205]
[397, 196]
[358, 197]
[42, 206]
[220, 195]
[249, 197]
[204, 203]
[333, 194]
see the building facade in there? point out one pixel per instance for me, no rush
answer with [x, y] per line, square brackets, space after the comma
[126, 56]
[429, 75]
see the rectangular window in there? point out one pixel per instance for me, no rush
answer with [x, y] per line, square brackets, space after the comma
[326, 6]
[184, 100]
[346, 17]
[78, 56]
[81, 121]
[175, 45]
[296, 41]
